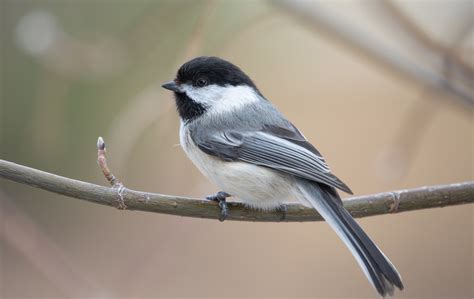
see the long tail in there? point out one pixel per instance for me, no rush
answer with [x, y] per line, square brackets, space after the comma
[376, 266]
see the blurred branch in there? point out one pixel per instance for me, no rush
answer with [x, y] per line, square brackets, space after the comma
[336, 28]
[144, 110]
[194, 44]
[429, 42]
[124, 198]
[408, 139]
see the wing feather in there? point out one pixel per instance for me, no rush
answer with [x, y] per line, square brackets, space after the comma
[268, 150]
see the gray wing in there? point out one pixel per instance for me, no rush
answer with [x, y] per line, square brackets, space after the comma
[282, 149]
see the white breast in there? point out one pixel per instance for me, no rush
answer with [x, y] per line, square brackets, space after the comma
[259, 187]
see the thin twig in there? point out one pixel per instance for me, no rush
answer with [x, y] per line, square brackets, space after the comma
[114, 182]
[361, 206]
[102, 162]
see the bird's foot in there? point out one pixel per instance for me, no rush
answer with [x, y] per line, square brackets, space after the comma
[220, 197]
[282, 209]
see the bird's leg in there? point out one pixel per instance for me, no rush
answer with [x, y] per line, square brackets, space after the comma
[220, 198]
[282, 209]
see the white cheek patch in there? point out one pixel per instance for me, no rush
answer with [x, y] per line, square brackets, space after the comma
[207, 95]
[220, 99]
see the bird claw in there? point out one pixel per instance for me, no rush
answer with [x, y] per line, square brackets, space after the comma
[282, 209]
[220, 197]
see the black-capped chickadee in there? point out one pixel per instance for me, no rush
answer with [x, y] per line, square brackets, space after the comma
[243, 144]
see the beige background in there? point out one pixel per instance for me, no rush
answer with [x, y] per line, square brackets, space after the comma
[101, 76]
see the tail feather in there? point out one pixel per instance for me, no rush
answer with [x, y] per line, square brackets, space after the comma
[376, 266]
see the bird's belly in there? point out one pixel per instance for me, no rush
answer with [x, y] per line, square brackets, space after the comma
[256, 186]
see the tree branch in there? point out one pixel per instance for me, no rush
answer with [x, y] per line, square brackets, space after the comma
[124, 198]
[317, 18]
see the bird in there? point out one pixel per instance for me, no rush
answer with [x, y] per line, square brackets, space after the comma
[243, 144]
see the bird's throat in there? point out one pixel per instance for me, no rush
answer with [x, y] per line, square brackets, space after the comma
[188, 109]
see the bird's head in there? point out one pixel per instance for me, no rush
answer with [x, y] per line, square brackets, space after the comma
[210, 84]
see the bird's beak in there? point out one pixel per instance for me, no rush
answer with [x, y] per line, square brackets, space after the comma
[173, 86]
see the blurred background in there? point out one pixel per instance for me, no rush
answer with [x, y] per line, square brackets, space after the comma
[384, 89]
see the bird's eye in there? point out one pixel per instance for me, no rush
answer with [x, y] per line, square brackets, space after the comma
[201, 82]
